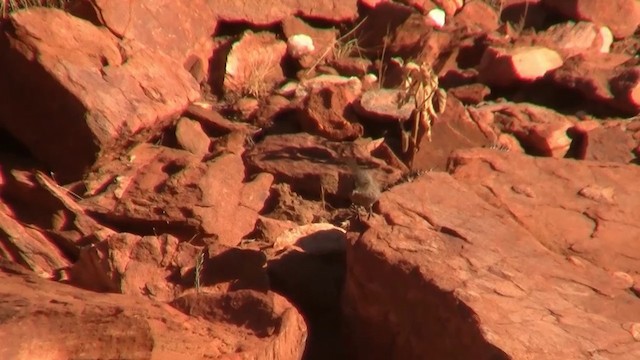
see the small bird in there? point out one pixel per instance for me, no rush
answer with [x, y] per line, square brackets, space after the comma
[366, 190]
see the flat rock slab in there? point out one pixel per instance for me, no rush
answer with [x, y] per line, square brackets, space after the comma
[153, 23]
[586, 209]
[45, 319]
[451, 270]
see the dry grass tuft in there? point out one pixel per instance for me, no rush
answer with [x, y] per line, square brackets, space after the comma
[260, 71]
[9, 6]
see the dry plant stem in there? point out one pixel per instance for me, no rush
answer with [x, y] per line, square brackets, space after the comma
[421, 85]
[198, 270]
[382, 69]
[256, 86]
[329, 48]
[523, 19]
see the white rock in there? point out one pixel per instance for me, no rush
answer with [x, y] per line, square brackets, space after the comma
[607, 39]
[299, 45]
[437, 17]
[369, 80]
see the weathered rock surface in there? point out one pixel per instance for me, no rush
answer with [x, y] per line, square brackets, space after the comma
[323, 40]
[313, 165]
[167, 189]
[610, 79]
[456, 129]
[611, 143]
[28, 246]
[241, 11]
[44, 319]
[191, 157]
[505, 67]
[541, 131]
[191, 137]
[382, 105]
[601, 12]
[93, 92]
[517, 266]
[43, 238]
[328, 112]
[478, 16]
[153, 23]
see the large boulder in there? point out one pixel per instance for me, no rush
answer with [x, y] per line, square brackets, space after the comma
[94, 92]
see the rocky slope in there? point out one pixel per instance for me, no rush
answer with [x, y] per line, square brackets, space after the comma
[174, 180]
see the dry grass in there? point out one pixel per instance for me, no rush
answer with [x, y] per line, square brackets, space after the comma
[344, 46]
[9, 6]
[257, 78]
[198, 271]
[420, 85]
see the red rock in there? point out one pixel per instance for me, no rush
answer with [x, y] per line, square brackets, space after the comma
[528, 13]
[268, 112]
[289, 206]
[610, 144]
[45, 238]
[571, 209]
[621, 16]
[395, 27]
[28, 246]
[451, 130]
[52, 320]
[157, 185]
[509, 142]
[505, 67]
[352, 66]
[541, 131]
[153, 23]
[268, 229]
[162, 268]
[278, 10]
[323, 40]
[471, 94]
[571, 39]
[215, 123]
[313, 239]
[407, 39]
[192, 137]
[104, 90]
[321, 167]
[604, 78]
[246, 107]
[478, 15]
[325, 81]
[626, 89]
[253, 65]
[327, 112]
[381, 105]
[429, 255]
[134, 265]
[306, 263]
